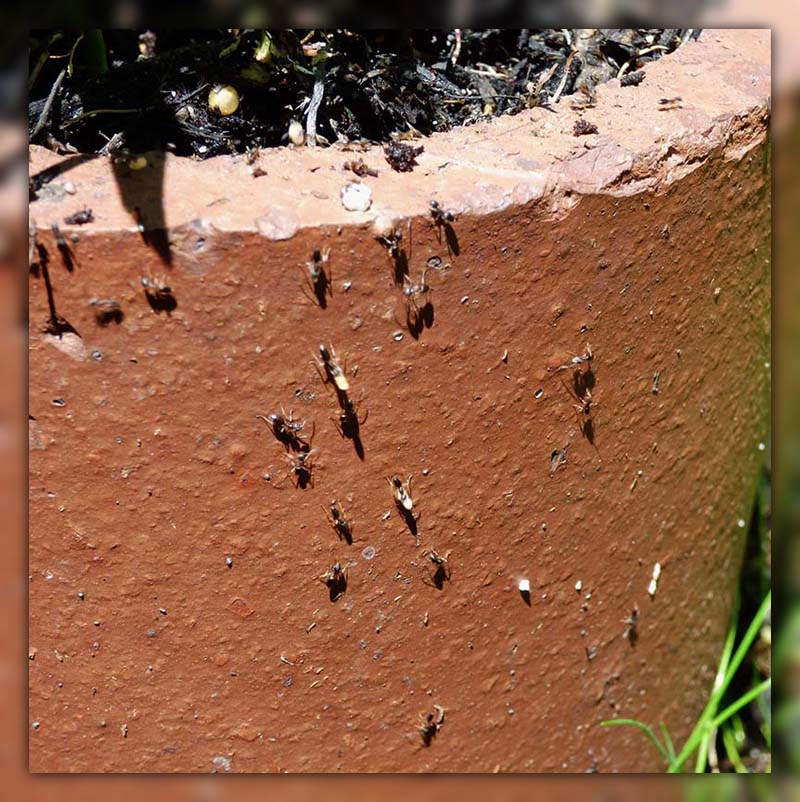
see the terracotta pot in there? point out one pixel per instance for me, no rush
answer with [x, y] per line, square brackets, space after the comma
[178, 622]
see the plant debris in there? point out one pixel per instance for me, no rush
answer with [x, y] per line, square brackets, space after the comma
[360, 168]
[632, 78]
[402, 157]
[79, 218]
[584, 127]
[127, 92]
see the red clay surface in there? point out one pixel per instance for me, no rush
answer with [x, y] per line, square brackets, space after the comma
[651, 242]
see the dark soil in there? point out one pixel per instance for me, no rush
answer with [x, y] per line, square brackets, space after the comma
[123, 91]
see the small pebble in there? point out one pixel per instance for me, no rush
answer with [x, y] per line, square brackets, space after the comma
[524, 586]
[229, 562]
[465, 299]
[397, 336]
[81, 595]
[579, 586]
[36, 725]
[539, 393]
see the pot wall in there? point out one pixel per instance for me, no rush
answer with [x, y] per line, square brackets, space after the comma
[203, 632]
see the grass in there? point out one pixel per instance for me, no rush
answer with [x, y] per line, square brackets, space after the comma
[726, 721]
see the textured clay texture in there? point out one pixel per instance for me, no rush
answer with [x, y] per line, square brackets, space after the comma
[178, 622]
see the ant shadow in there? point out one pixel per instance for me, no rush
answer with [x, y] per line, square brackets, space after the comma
[348, 424]
[56, 325]
[322, 287]
[161, 302]
[105, 317]
[67, 257]
[419, 320]
[583, 380]
[588, 431]
[336, 587]
[440, 576]
[401, 268]
[410, 521]
[451, 239]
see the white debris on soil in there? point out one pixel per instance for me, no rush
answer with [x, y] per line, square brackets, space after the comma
[653, 586]
[524, 586]
[222, 763]
[356, 197]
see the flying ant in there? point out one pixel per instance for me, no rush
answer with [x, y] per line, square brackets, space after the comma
[401, 492]
[411, 292]
[333, 372]
[392, 242]
[577, 361]
[159, 295]
[317, 280]
[439, 215]
[340, 524]
[301, 465]
[431, 724]
[583, 407]
[336, 580]
[442, 572]
[631, 634]
[287, 430]
[417, 315]
[442, 220]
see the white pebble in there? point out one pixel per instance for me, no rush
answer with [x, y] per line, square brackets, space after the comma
[761, 446]
[356, 197]
[524, 586]
[579, 586]
[740, 523]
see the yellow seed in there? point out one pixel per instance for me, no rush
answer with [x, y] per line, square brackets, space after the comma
[224, 100]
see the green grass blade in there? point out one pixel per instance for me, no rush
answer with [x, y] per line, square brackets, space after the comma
[729, 741]
[667, 741]
[741, 702]
[702, 731]
[644, 728]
